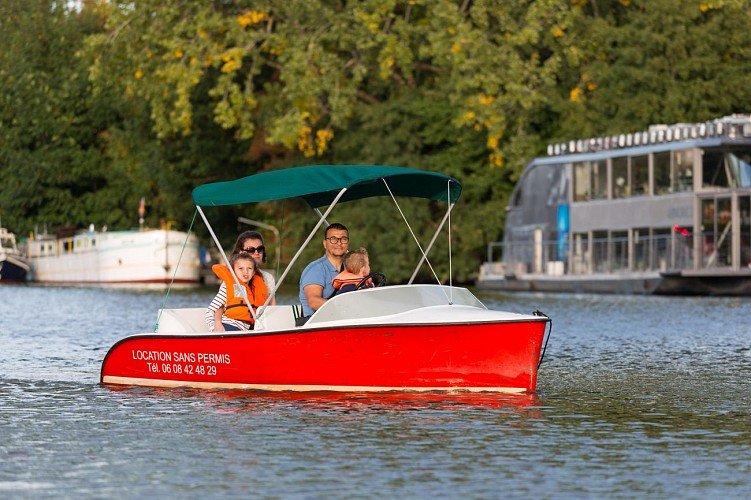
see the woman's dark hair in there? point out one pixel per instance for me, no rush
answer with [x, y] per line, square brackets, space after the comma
[249, 235]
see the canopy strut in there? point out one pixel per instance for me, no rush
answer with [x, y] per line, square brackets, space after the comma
[303, 246]
[424, 255]
[238, 289]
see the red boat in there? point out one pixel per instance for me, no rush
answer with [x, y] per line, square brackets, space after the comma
[413, 337]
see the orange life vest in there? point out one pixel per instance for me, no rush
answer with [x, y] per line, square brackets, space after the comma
[236, 307]
[347, 278]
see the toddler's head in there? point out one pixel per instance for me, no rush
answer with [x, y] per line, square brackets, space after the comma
[357, 262]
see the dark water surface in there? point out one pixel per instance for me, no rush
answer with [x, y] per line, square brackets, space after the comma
[638, 397]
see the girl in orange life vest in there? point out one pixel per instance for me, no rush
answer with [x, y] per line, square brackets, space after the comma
[227, 311]
[252, 242]
[356, 267]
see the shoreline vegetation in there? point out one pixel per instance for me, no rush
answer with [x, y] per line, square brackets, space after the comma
[106, 104]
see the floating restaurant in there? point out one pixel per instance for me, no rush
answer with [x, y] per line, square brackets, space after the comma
[663, 211]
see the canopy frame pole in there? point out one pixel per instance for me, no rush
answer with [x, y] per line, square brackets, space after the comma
[321, 220]
[425, 257]
[320, 215]
[430, 245]
[451, 271]
[238, 288]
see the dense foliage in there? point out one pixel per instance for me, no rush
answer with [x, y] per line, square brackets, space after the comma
[103, 103]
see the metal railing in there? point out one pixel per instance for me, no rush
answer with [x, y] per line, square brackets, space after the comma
[595, 255]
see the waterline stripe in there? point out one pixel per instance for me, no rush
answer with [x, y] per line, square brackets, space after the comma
[148, 382]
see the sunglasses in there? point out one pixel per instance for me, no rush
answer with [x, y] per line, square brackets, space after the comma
[259, 249]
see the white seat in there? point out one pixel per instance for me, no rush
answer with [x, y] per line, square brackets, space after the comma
[277, 318]
[188, 320]
[192, 320]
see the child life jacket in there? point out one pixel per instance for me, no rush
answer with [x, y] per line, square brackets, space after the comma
[348, 278]
[236, 307]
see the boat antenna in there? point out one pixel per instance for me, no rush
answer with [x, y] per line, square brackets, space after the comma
[425, 256]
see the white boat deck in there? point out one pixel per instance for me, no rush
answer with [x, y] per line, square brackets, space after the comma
[400, 304]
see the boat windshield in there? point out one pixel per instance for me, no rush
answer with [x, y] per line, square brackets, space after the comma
[727, 169]
[740, 168]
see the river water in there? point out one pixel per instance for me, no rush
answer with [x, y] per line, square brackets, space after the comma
[637, 397]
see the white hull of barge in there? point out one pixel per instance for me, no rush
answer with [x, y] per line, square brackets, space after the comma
[117, 258]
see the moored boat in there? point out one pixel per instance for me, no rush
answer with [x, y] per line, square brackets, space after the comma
[13, 264]
[133, 257]
[664, 211]
[417, 337]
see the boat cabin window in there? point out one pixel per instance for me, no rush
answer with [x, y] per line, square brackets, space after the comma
[714, 173]
[582, 175]
[726, 169]
[620, 177]
[663, 175]
[744, 205]
[639, 175]
[542, 186]
[599, 180]
[740, 168]
[591, 180]
[683, 170]
[516, 196]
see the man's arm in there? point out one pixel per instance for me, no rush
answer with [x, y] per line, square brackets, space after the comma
[314, 296]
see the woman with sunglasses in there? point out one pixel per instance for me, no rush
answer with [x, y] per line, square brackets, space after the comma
[252, 242]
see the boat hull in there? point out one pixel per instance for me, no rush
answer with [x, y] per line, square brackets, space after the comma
[12, 269]
[497, 357]
[680, 283]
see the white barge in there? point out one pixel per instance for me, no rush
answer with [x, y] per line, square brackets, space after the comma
[133, 257]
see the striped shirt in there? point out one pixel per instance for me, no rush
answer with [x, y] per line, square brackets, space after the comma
[220, 300]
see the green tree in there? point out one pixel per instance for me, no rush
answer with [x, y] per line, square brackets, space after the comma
[639, 63]
[51, 165]
[467, 78]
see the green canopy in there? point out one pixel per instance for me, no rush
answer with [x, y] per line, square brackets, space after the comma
[318, 185]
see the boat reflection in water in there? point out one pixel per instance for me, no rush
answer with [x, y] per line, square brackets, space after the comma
[235, 401]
